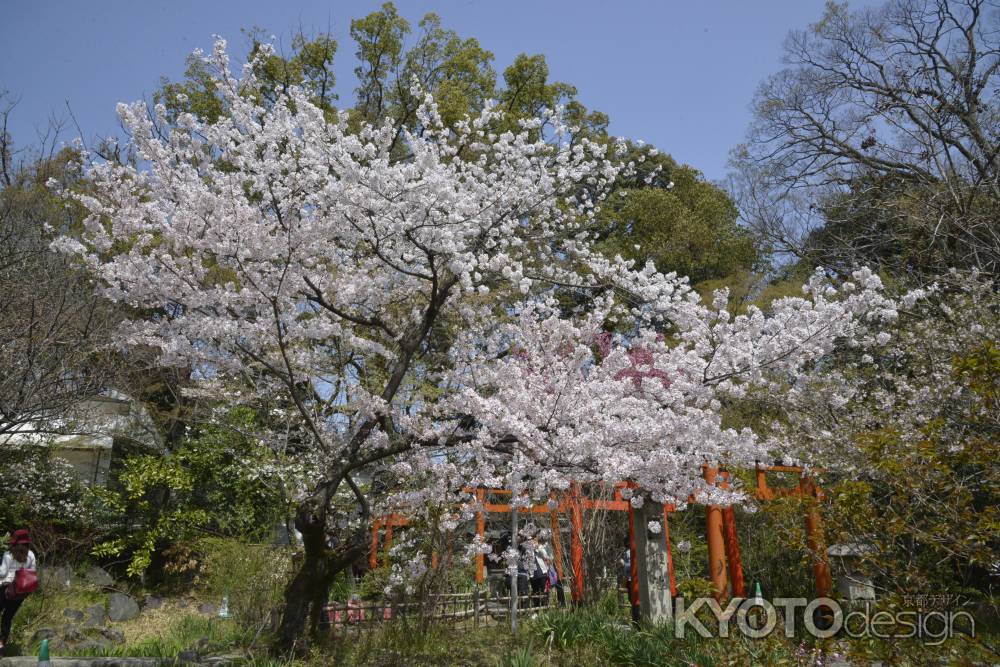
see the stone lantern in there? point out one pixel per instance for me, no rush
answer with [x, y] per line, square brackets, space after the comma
[852, 584]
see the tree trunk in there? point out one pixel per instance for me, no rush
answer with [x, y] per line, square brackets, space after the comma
[300, 613]
[306, 594]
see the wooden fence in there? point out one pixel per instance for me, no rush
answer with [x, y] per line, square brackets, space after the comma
[475, 608]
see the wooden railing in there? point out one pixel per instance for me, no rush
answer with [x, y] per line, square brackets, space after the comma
[475, 607]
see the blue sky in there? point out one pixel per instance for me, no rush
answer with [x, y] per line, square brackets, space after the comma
[678, 74]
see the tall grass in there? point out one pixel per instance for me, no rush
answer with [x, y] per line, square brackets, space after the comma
[618, 642]
[205, 634]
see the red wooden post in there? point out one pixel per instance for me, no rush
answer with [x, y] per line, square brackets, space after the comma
[633, 575]
[481, 532]
[763, 492]
[716, 542]
[373, 556]
[576, 544]
[733, 545]
[667, 509]
[814, 537]
[733, 553]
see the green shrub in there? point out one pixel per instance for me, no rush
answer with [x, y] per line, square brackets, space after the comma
[612, 639]
[251, 576]
[44, 489]
[44, 609]
[373, 583]
[342, 587]
[220, 480]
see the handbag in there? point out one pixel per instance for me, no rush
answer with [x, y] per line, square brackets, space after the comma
[25, 582]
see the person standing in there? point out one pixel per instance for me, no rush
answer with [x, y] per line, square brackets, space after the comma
[542, 550]
[18, 557]
[539, 576]
[626, 568]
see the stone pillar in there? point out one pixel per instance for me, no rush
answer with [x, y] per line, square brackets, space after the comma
[655, 603]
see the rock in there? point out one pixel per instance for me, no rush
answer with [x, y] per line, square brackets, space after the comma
[57, 646]
[98, 576]
[97, 646]
[182, 603]
[187, 657]
[152, 602]
[73, 614]
[56, 577]
[206, 646]
[207, 608]
[281, 536]
[122, 607]
[43, 633]
[113, 636]
[73, 634]
[95, 616]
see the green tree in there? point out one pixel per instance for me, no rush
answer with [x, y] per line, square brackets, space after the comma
[678, 221]
[220, 481]
[928, 509]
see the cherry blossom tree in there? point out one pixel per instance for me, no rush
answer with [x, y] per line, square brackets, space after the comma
[414, 310]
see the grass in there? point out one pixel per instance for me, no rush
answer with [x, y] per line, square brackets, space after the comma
[400, 644]
[206, 634]
[156, 633]
[45, 610]
[615, 642]
[597, 635]
[602, 635]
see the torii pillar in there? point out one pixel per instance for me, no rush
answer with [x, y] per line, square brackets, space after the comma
[716, 541]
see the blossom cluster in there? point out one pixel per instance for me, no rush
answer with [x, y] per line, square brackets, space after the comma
[578, 407]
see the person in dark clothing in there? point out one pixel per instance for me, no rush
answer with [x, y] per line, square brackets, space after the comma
[523, 577]
[18, 557]
[626, 563]
[502, 546]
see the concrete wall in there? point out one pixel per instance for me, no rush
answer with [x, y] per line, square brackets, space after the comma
[91, 464]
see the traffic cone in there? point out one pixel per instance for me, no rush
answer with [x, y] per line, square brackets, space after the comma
[43, 654]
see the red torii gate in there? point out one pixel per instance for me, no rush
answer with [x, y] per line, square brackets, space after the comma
[724, 560]
[572, 502]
